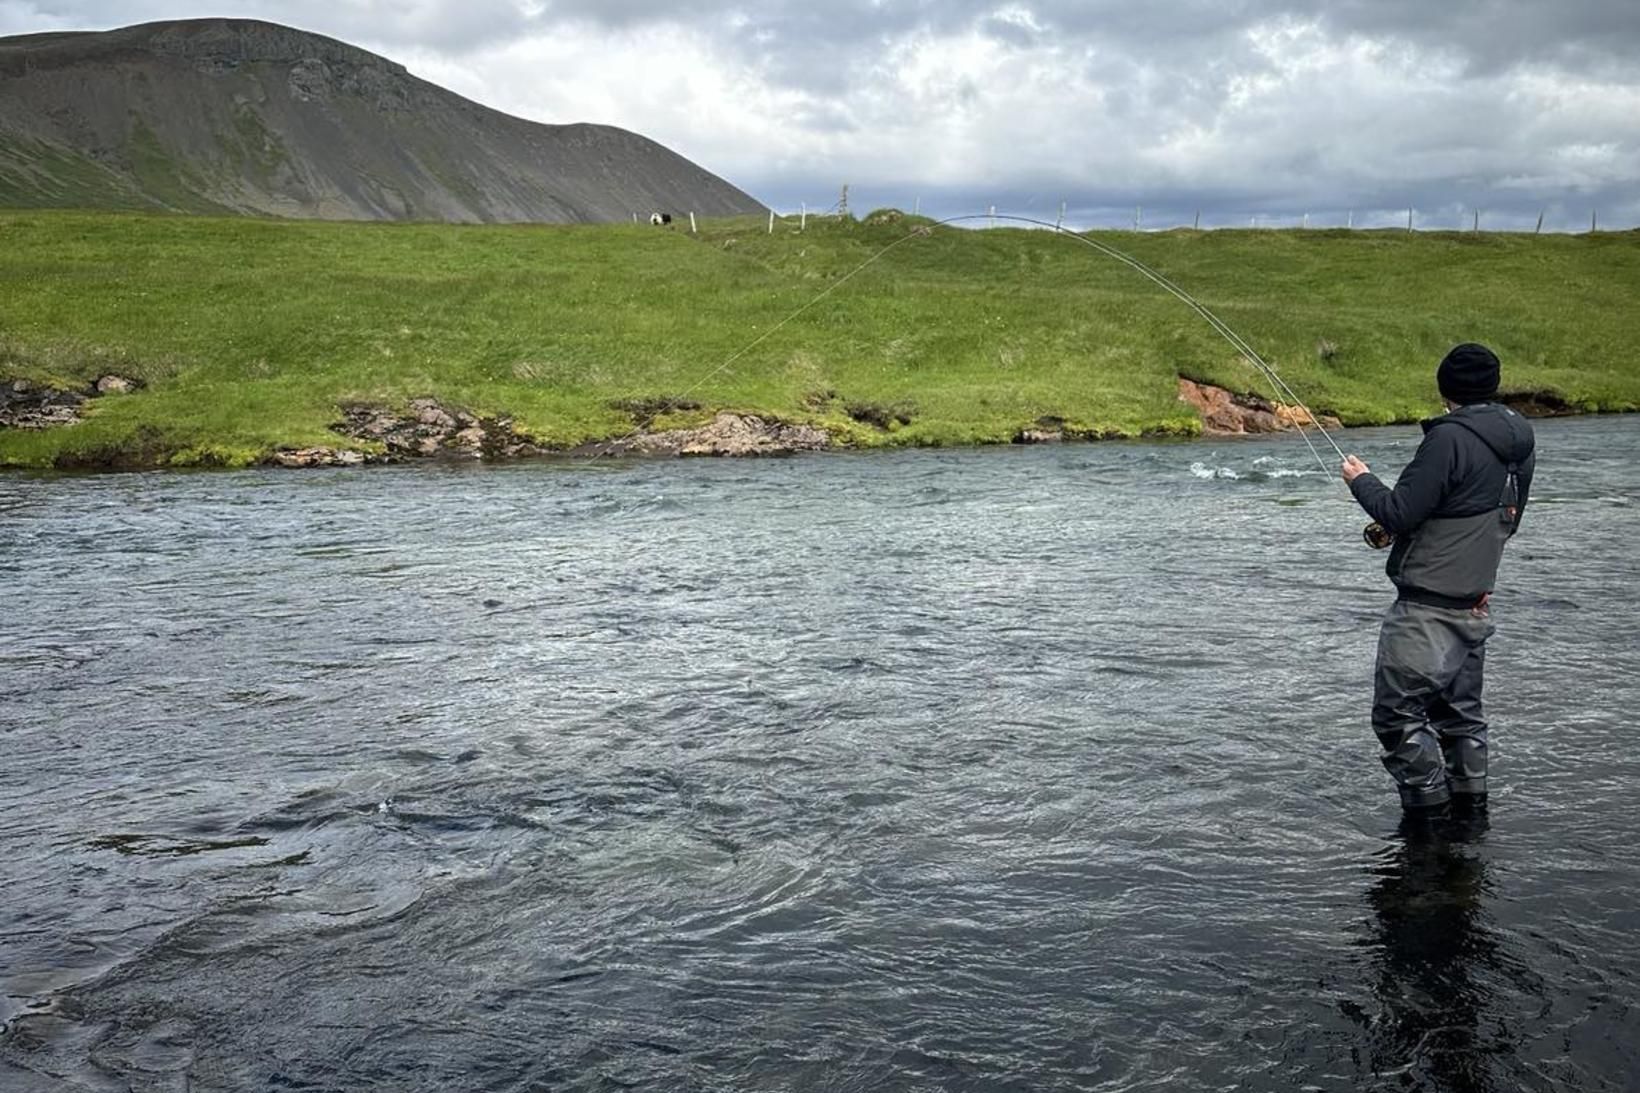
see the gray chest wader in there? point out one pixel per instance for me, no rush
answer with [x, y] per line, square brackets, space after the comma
[1427, 709]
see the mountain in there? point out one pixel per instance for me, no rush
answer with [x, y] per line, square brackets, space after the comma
[240, 116]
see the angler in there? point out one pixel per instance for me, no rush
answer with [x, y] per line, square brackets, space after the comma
[1449, 515]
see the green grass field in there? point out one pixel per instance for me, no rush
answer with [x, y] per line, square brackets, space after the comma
[250, 333]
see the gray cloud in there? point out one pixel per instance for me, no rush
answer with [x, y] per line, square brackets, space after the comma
[1243, 108]
[1497, 36]
[1488, 35]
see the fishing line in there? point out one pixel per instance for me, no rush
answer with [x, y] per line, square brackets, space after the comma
[1247, 352]
[769, 333]
[1236, 341]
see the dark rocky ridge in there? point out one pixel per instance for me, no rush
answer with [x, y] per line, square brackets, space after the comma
[240, 116]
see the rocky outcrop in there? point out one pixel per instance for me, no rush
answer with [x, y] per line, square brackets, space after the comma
[24, 405]
[1226, 413]
[429, 428]
[727, 434]
[28, 405]
[425, 429]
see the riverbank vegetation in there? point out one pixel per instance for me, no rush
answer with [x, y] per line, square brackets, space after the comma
[247, 336]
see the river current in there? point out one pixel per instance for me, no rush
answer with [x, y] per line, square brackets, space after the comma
[1031, 768]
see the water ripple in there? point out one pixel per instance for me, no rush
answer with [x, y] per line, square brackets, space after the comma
[974, 770]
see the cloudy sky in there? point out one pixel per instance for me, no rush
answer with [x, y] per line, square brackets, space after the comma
[1242, 109]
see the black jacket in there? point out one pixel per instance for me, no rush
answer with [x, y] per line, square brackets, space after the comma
[1460, 472]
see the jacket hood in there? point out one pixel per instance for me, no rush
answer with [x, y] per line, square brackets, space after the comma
[1506, 432]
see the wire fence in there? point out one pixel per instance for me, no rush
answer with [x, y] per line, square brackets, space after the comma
[1555, 218]
[1558, 219]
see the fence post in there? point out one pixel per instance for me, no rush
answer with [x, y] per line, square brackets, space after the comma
[771, 221]
[1477, 220]
[1198, 226]
[1539, 229]
[803, 223]
[1594, 221]
[692, 227]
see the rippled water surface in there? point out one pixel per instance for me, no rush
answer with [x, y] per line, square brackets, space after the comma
[1037, 769]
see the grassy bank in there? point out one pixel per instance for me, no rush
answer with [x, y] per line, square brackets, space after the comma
[248, 334]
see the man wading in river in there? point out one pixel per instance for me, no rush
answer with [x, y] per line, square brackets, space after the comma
[1450, 513]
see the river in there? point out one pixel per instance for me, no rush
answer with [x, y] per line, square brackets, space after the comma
[1029, 768]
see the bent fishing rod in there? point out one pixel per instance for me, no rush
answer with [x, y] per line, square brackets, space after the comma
[1375, 535]
[1247, 352]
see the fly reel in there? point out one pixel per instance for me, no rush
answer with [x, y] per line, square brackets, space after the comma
[1377, 536]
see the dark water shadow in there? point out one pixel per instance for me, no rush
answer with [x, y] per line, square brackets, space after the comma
[1435, 963]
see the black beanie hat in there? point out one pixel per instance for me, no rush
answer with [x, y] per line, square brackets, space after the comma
[1468, 374]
